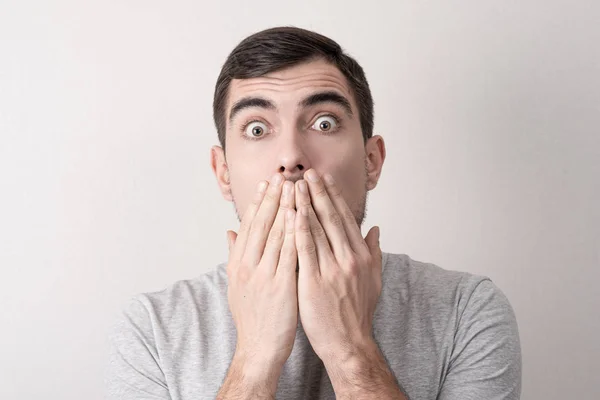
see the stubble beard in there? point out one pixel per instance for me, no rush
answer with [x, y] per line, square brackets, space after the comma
[359, 210]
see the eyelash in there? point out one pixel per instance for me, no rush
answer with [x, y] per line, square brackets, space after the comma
[245, 126]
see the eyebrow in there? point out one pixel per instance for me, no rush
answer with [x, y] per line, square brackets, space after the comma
[250, 102]
[327, 97]
[312, 100]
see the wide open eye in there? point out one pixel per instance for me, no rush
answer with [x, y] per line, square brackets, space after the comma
[325, 123]
[255, 129]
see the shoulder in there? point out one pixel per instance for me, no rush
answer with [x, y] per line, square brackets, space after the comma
[179, 302]
[422, 279]
[433, 289]
[485, 357]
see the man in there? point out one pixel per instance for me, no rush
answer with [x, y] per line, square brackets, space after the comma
[305, 307]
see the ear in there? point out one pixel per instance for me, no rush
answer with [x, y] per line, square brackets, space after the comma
[221, 171]
[375, 156]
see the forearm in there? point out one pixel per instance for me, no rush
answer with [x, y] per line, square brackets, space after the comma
[249, 380]
[364, 374]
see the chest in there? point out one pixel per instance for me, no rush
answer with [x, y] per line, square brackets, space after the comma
[196, 367]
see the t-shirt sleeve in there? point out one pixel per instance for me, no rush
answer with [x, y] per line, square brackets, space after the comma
[133, 370]
[486, 358]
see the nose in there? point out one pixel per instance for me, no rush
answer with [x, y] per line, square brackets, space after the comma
[292, 160]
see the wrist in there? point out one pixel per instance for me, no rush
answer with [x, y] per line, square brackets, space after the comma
[359, 370]
[256, 373]
[349, 357]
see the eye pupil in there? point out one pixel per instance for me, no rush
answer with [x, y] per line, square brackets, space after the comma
[257, 130]
[325, 125]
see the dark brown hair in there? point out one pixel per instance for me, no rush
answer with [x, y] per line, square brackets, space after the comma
[273, 49]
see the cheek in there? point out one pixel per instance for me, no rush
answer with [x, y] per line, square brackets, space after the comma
[245, 185]
[351, 179]
[354, 185]
[245, 177]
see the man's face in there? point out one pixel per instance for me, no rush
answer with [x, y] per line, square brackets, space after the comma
[290, 121]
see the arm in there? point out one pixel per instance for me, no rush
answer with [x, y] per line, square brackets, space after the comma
[262, 294]
[133, 371]
[364, 375]
[249, 380]
[485, 364]
[486, 359]
[262, 299]
[339, 283]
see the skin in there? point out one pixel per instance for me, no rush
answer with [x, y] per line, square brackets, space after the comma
[308, 214]
[292, 145]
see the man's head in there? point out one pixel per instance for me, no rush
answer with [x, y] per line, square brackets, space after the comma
[288, 100]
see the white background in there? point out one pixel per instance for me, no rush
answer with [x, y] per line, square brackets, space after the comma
[491, 115]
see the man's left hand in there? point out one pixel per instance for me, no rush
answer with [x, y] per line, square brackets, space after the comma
[339, 281]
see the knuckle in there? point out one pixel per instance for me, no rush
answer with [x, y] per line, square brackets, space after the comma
[243, 274]
[256, 200]
[346, 251]
[275, 235]
[335, 191]
[352, 265]
[260, 226]
[290, 229]
[271, 196]
[334, 218]
[348, 215]
[353, 273]
[335, 275]
[287, 252]
[365, 252]
[306, 248]
[320, 191]
[318, 232]
[283, 208]
[304, 228]
[245, 225]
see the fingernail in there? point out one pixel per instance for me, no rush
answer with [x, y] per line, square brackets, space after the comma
[276, 179]
[312, 175]
[262, 186]
[302, 186]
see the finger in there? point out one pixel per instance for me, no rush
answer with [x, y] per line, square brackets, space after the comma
[328, 216]
[372, 240]
[350, 226]
[263, 222]
[249, 214]
[319, 236]
[288, 258]
[231, 238]
[305, 246]
[275, 239]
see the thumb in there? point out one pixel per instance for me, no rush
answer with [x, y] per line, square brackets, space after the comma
[231, 238]
[372, 240]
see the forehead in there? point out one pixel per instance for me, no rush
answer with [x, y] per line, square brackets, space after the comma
[292, 83]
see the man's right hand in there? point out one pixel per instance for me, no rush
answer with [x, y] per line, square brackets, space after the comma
[262, 290]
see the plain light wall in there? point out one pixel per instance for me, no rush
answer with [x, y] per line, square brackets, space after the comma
[490, 111]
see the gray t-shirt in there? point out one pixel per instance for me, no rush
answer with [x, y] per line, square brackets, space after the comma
[446, 335]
